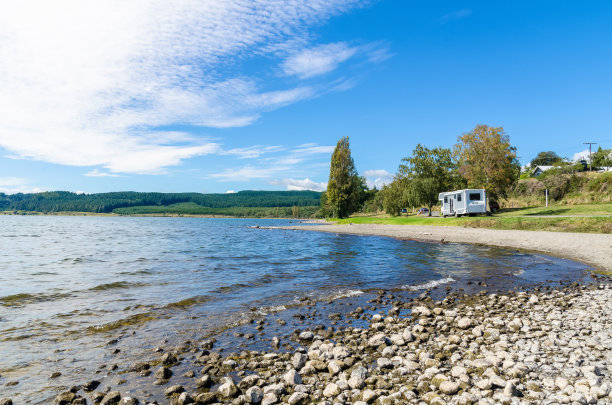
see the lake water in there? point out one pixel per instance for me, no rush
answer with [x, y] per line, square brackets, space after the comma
[69, 284]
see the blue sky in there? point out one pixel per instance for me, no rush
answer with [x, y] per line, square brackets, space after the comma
[213, 96]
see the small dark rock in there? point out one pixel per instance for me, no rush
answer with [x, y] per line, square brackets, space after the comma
[91, 385]
[55, 374]
[111, 398]
[206, 398]
[168, 359]
[163, 373]
[97, 396]
[175, 389]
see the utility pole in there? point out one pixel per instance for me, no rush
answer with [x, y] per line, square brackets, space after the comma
[590, 154]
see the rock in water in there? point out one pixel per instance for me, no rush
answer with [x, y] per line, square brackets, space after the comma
[254, 395]
[111, 398]
[175, 389]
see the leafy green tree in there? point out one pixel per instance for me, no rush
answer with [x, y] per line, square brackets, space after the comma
[548, 158]
[486, 159]
[427, 173]
[392, 197]
[603, 157]
[345, 189]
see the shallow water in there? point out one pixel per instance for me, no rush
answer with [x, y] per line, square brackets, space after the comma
[69, 284]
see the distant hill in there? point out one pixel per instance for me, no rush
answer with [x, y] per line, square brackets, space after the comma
[243, 203]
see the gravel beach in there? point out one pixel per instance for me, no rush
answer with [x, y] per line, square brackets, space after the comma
[593, 249]
[540, 347]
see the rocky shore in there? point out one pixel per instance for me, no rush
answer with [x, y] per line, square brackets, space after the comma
[540, 347]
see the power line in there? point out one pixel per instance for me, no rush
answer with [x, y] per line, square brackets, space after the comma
[590, 154]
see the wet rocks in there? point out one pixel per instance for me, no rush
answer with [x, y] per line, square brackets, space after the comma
[6, 401]
[112, 398]
[163, 373]
[175, 389]
[91, 385]
[64, 398]
[485, 349]
[254, 395]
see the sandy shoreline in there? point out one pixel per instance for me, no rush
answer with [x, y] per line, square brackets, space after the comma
[593, 249]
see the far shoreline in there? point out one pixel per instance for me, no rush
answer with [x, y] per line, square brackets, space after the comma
[591, 249]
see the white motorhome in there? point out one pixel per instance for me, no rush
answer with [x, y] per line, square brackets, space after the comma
[463, 202]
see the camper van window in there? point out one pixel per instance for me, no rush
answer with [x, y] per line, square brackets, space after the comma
[458, 197]
[445, 200]
[474, 196]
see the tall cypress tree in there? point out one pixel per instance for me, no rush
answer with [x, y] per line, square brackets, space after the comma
[344, 186]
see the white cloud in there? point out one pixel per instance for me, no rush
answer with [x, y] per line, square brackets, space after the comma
[230, 192]
[584, 155]
[247, 173]
[85, 82]
[298, 185]
[377, 178]
[318, 60]
[252, 151]
[97, 173]
[14, 185]
[301, 159]
[311, 149]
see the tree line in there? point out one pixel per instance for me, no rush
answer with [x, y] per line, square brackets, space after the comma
[481, 158]
[65, 201]
[601, 158]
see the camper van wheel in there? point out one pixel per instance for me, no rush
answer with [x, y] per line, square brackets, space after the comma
[457, 215]
[444, 215]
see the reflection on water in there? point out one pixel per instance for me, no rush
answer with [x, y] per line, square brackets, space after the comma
[69, 284]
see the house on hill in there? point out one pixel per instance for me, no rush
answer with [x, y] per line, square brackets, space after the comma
[539, 170]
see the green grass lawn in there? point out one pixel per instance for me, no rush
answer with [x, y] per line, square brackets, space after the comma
[583, 209]
[522, 219]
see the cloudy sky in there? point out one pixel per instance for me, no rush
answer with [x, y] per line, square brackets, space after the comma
[218, 95]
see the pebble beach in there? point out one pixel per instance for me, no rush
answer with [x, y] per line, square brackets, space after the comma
[539, 347]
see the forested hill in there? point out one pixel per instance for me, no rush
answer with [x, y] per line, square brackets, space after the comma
[244, 202]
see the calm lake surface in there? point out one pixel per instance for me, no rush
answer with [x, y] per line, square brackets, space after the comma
[69, 284]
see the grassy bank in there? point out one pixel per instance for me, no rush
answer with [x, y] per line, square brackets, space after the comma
[588, 218]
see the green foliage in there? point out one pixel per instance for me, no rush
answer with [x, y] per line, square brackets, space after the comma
[373, 201]
[425, 174]
[486, 159]
[564, 186]
[601, 183]
[602, 158]
[548, 158]
[345, 189]
[198, 204]
[393, 198]
[245, 212]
